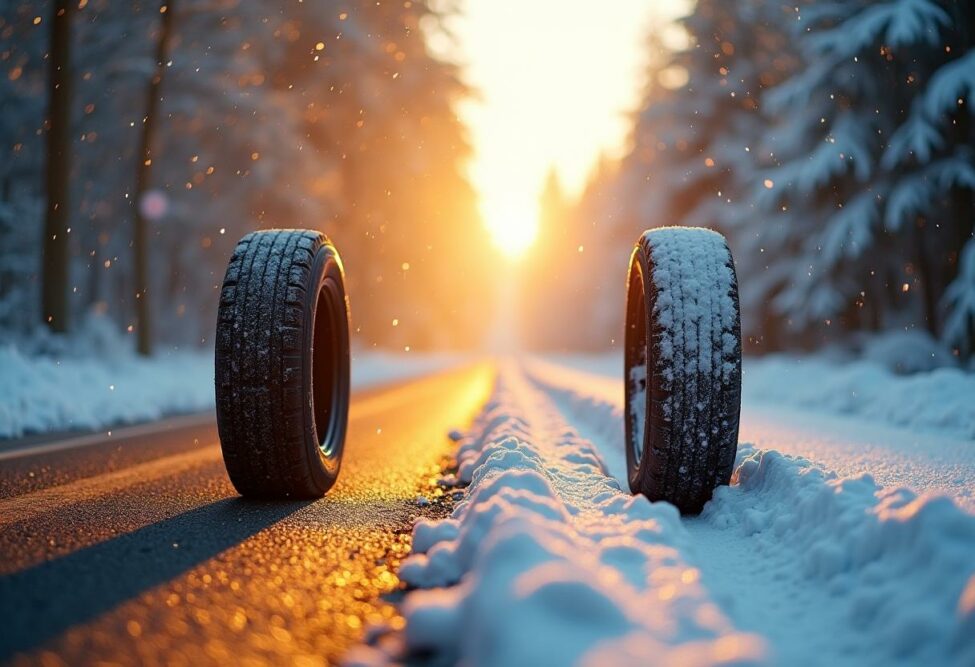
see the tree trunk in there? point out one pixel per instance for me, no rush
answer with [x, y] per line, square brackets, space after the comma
[143, 175]
[55, 272]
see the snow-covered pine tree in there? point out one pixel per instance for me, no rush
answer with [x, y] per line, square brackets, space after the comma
[864, 181]
[692, 160]
[815, 197]
[931, 162]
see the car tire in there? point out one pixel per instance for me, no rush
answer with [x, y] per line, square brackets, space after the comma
[282, 365]
[682, 366]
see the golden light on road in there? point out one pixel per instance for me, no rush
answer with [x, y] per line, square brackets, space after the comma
[513, 228]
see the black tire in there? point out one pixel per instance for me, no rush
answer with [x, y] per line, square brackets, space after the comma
[682, 366]
[282, 365]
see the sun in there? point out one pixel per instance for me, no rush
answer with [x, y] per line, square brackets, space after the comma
[513, 228]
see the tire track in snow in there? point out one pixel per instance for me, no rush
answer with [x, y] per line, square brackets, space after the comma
[829, 570]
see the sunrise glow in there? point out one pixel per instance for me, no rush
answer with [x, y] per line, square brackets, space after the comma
[555, 85]
[513, 228]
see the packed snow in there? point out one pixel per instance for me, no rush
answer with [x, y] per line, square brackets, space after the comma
[790, 564]
[47, 385]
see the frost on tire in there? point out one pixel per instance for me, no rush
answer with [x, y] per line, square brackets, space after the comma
[682, 366]
[282, 364]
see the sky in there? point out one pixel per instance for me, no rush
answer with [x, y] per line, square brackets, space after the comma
[555, 80]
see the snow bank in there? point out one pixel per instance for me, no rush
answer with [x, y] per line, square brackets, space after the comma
[547, 561]
[97, 381]
[849, 572]
[905, 352]
[942, 400]
[42, 393]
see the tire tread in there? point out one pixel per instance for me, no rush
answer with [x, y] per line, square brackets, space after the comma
[259, 364]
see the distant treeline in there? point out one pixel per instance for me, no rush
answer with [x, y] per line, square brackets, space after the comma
[832, 143]
[326, 115]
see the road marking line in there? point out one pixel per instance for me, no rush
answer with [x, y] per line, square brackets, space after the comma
[120, 434]
[31, 505]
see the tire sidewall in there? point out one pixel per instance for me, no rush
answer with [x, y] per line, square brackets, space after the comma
[327, 274]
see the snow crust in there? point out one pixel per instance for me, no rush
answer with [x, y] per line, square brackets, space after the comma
[98, 381]
[547, 561]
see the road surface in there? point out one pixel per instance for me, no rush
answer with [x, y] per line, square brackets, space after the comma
[134, 548]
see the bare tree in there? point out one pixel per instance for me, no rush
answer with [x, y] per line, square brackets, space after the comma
[54, 269]
[140, 241]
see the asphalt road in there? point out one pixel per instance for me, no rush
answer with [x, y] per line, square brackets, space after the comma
[134, 548]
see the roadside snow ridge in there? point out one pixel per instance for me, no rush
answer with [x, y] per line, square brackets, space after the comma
[547, 561]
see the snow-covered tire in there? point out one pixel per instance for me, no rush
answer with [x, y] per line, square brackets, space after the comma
[682, 366]
[282, 365]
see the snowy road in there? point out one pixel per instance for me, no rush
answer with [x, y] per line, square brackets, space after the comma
[859, 553]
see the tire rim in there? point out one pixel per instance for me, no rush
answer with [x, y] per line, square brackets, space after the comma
[327, 367]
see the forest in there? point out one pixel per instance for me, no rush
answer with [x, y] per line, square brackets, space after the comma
[831, 142]
[192, 122]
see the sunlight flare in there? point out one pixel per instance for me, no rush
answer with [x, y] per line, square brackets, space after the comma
[513, 228]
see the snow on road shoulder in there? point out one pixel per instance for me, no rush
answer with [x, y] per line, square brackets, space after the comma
[830, 570]
[939, 401]
[933, 401]
[40, 393]
[100, 382]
